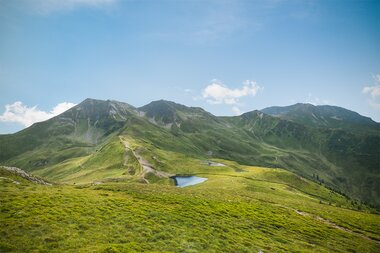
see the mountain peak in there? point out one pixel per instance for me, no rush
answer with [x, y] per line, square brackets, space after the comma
[96, 109]
[321, 116]
[254, 113]
[169, 104]
[168, 112]
[93, 101]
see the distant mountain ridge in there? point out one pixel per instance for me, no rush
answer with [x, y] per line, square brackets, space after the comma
[168, 112]
[341, 147]
[323, 116]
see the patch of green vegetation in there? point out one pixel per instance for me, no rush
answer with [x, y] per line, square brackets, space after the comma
[260, 209]
[106, 162]
[175, 139]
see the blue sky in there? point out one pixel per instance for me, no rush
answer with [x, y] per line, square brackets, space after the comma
[225, 56]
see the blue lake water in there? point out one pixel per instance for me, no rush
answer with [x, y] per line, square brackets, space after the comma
[183, 181]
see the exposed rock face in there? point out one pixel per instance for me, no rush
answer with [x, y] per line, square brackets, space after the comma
[26, 175]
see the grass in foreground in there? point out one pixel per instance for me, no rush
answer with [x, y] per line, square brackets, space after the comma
[227, 213]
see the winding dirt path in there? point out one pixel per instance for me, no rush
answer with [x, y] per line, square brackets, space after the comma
[145, 165]
[330, 223]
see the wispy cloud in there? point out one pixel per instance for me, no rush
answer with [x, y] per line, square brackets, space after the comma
[236, 110]
[373, 92]
[217, 25]
[305, 10]
[22, 114]
[45, 7]
[317, 101]
[217, 21]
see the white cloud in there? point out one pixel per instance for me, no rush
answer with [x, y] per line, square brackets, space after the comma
[20, 113]
[318, 101]
[236, 110]
[373, 92]
[218, 93]
[374, 104]
[376, 78]
[50, 6]
[61, 107]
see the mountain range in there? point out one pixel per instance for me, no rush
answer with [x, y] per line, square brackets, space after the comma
[111, 140]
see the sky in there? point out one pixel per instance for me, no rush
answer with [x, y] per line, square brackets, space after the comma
[228, 57]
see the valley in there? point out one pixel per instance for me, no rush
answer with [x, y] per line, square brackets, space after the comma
[273, 183]
[215, 126]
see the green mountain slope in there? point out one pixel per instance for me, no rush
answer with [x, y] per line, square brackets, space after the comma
[325, 116]
[167, 112]
[111, 163]
[343, 159]
[99, 140]
[74, 133]
[260, 209]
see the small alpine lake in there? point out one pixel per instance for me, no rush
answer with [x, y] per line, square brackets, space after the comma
[183, 181]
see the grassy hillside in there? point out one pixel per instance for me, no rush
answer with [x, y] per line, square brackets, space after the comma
[325, 116]
[74, 133]
[83, 145]
[105, 162]
[263, 209]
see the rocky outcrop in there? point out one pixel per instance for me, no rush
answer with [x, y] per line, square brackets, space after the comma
[25, 175]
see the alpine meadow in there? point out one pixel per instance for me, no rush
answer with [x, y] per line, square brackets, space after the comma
[189, 126]
[274, 184]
